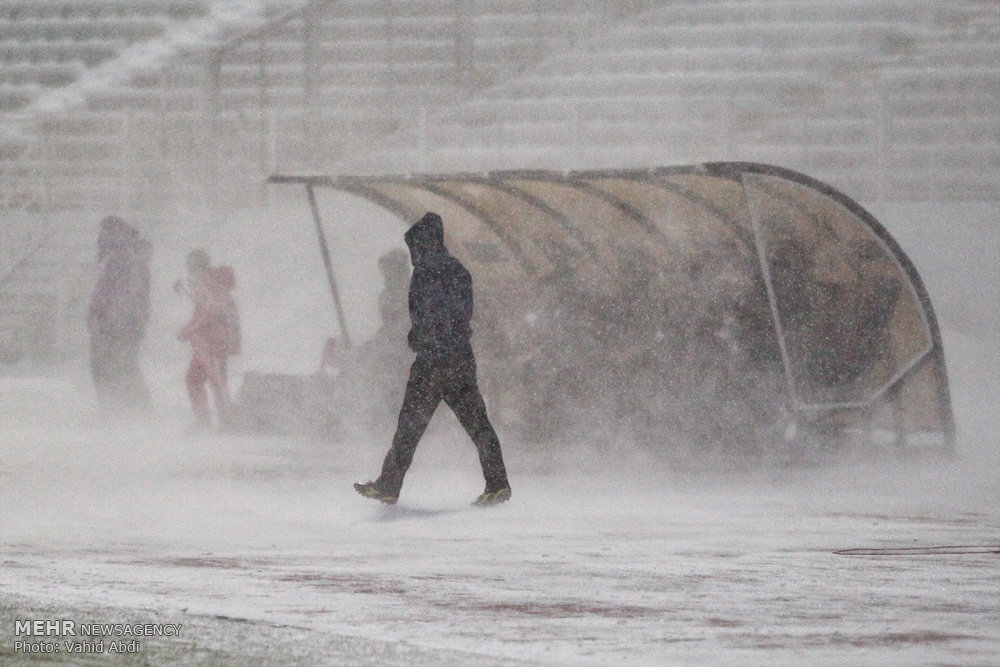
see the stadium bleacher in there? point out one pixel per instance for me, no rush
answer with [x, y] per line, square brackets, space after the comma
[882, 98]
[50, 43]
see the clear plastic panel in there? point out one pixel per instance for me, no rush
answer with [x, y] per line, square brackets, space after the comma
[849, 321]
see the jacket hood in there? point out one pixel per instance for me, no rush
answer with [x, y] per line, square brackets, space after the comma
[426, 236]
[116, 236]
[220, 278]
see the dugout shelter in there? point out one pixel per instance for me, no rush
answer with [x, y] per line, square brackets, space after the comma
[728, 306]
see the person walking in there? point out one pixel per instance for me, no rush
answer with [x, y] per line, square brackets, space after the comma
[214, 334]
[441, 306]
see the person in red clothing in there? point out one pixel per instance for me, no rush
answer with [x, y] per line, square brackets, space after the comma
[214, 334]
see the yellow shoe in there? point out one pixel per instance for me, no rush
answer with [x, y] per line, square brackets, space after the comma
[371, 490]
[493, 498]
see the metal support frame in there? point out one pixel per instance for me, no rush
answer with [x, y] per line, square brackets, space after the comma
[325, 250]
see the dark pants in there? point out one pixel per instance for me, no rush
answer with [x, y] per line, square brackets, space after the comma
[114, 367]
[453, 380]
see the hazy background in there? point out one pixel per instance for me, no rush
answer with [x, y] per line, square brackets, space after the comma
[605, 553]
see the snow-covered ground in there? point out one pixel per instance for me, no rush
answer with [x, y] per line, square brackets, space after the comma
[263, 553]
[261, 550]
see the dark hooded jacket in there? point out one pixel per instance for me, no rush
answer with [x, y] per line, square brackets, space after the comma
[440, 293]
[119, 305]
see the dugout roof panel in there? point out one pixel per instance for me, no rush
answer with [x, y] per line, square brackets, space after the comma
[853, 323]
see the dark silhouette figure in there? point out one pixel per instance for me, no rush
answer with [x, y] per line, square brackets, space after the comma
[118, 314]
[440, 305]
[395, 270]
[383, 359]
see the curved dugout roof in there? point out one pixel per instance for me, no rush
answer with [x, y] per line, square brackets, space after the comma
[853, 322]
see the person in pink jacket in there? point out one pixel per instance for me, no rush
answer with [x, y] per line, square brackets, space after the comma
[214, 334]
